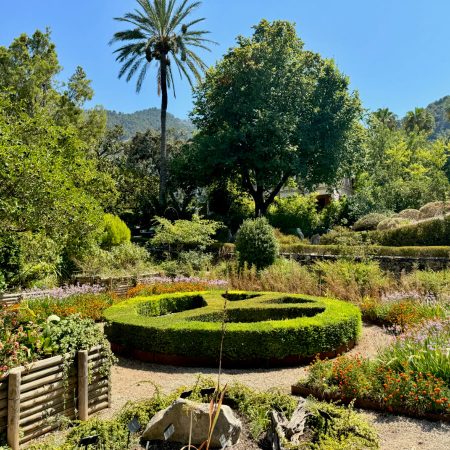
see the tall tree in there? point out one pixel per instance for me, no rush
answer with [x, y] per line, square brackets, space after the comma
[271, 110]
[162, 32]
[386, 117]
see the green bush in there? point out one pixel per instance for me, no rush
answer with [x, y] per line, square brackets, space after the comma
[393, 222]
[369, 222]
[198, 332]
[256, 243]
[10, 258]
[369, 250]
[434, 209]
[433, 232]
[185, 234]
[297, 211]
[116, 232]
[411, 214]
[345, 237]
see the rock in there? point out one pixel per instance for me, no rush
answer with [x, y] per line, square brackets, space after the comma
[227, 430]
[315, 239]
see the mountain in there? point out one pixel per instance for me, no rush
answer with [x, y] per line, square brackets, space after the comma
[143, 120]
[439, 110]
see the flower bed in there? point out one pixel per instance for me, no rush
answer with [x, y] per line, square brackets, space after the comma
[261, 329]
[411, 377]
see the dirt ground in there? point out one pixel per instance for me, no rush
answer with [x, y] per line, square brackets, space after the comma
[135, 380]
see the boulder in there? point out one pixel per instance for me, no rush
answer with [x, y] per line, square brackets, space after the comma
[175, 422]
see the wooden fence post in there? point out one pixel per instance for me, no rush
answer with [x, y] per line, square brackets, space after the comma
[14, 380]
[83, 385]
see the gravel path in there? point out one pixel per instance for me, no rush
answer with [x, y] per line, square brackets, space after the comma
[135, 380]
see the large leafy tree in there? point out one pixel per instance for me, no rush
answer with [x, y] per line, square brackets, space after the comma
[50, 182]
[271, 110]
[404, 169]
[162, 33]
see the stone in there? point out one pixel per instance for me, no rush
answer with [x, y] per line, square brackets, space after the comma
[315, 239]
[226, 432]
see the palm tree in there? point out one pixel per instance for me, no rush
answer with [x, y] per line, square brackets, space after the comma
[162, 32]
[386, 117]
[419, 120]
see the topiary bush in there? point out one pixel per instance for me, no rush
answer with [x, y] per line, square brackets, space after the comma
[263, 328]
[256, 243]
[116, 231]
[434, 209]
[411, 214]
[369, 222]
[393, 222]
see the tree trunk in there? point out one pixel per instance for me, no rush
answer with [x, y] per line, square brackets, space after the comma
[163, 175]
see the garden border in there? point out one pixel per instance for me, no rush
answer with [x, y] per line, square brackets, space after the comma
[365, 403]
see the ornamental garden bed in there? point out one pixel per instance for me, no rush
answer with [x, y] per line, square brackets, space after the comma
[365, 403]
[254, 328]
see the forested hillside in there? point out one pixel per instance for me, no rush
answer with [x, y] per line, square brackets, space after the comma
[441, 110]
[145, 119]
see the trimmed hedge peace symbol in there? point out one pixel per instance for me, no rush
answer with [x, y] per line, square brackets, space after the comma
[261, 328]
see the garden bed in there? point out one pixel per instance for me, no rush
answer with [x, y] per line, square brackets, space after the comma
[365, 403]
[263, 329]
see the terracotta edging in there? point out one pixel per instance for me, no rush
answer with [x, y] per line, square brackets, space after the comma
[199, 361]
[365, 403]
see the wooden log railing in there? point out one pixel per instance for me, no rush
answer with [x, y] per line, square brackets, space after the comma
[36, 398]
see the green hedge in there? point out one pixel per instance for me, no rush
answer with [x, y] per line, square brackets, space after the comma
[266, 326]
[373, 250]
[430, 232]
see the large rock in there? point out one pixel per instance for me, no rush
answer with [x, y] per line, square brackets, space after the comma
[227, 429]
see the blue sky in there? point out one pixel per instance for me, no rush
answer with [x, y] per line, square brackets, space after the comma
[396, 52]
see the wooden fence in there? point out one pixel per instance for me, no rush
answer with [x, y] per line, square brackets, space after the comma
[36, 398]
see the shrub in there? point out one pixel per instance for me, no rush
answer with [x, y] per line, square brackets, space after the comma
[352, 280]
[283, 276]
[116, 232]
[293, 212]
[320, 325]
[393, 222]
[431, 232]
[369, 222]
[428, 283]
[423, 349]
[10, 258]
[345, 237]
[411, 214]
[434, 209]
[185, 234]
[2, 283]
[256, 243]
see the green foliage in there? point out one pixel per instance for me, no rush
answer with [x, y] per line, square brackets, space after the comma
[410, 213]
[393, 222]
[368, 250]
[256, 243]
[440, 109]
[312, 325]
[263, 139]
[419, 120]
[181, 234]
[434, 209]
[50, 184]
[11, 261]
[403, 170]
[431, 232]
[295, 212]
[116, 231]
[369, 222]
[352, 280]
[122, 259]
